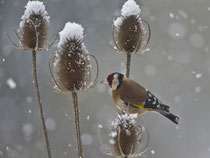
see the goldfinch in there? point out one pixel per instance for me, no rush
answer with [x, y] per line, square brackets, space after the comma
[131, 97]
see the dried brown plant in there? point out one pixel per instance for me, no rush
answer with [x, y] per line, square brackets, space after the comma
[129, 34]
[71, 71]
[34, 36]
[126, 137]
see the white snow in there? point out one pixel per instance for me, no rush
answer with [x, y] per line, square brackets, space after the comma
[171, 15]
[197, 89]
[57, 59]
[202, 27]
[27, 129]
[176, 30]
[153, 152]
[183, 14]
[69, 145]
[128, 132]
[170, 57]
[196, 40]
[100, 126]
[29, 111]
[111, 141]
[177, 127]
[150, 70]
[130, 8]
[87, 139]
[11, 83]
[113, 134]
[153, 18]
[199, 75]
[29, 99]
[88, 117]
[71, 31]
[193, 21]
[50, 124]
[125, 119]
[34, 7]
[118, 22]
[65, 153]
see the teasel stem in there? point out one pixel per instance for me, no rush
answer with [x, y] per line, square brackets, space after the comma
[40, 104]
[128, 64]
[77, 124]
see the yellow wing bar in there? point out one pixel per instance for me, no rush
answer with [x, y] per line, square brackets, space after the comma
[141, 106]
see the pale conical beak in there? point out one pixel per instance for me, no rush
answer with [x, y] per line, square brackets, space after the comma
[104, 81]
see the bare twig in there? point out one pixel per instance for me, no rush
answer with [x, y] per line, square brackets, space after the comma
[50, 68]
[14, 44]
[113, 37]
[52, 43]
[40, 104]
[97, 72]
[149, 29]
[77, 124]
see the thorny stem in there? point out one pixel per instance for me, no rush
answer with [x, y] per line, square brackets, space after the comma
[128, 63]
[77, 124]
[40, 104]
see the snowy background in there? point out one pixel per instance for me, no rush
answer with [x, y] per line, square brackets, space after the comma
[177, 70]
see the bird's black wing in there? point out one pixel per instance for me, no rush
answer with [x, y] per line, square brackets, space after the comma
[154, 103]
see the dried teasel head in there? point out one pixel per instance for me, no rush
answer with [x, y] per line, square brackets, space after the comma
[72, 67]
[128, 31]
[34, 27]
[125, 137]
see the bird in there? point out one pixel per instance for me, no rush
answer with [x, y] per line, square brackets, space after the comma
[129, 96]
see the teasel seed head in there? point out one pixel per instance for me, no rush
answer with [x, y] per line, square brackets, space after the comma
[34, 27]
[125, 136]
[72, 66]
[128, 31]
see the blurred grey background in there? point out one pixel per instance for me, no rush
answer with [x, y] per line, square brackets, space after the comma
[177, 70]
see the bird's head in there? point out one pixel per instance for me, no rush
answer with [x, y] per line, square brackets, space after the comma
[114, 80]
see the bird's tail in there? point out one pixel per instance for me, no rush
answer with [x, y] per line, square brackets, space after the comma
[163, 107]
[170, 116]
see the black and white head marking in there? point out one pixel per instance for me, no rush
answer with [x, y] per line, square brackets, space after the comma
[117, 81]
